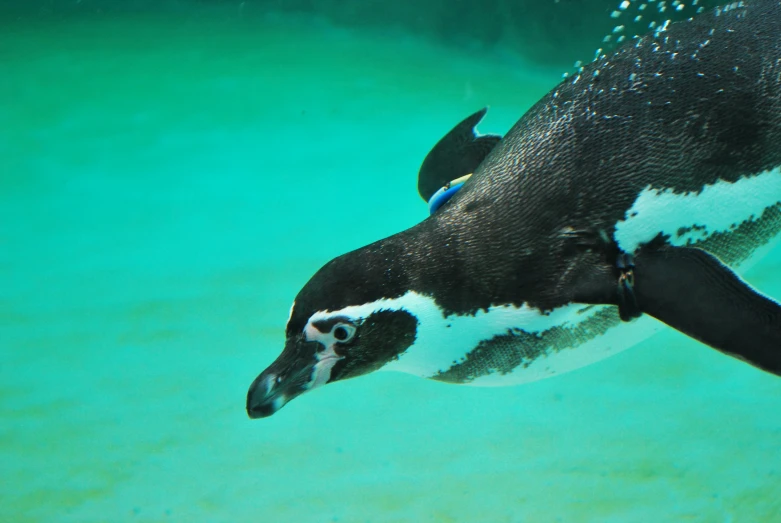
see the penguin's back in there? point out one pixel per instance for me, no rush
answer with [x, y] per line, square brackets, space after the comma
[689, 106]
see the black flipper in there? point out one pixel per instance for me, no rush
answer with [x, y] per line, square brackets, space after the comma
[693, 292]
[456, 155]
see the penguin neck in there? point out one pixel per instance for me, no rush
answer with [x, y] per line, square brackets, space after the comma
[389, 268]
[423, 260]
[444, 260]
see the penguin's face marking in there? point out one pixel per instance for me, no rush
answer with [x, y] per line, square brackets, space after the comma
[333, 345]
[363, 340]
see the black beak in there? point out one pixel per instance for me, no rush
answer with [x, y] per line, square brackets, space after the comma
[262, 402]
[289, 376]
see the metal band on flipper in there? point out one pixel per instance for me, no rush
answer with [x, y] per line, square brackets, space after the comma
[628, 308]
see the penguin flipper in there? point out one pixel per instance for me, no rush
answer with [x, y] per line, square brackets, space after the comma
[695, 293]
[457, 154]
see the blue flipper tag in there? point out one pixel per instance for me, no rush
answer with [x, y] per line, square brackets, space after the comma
[445, 193]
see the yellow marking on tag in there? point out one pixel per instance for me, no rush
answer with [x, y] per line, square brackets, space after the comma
[463, 179]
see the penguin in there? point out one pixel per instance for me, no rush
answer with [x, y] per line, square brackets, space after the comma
[631, 196]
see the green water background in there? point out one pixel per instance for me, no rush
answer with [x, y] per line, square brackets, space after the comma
[169, 179]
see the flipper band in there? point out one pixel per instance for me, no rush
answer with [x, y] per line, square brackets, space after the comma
[445, 193]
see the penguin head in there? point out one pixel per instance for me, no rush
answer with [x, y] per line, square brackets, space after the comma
[339, 328]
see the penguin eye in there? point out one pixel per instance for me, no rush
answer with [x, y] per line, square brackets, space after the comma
[343, 332]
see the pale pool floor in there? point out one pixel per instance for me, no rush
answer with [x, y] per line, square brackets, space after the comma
[167, 186]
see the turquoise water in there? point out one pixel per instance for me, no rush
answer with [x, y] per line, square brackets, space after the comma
[167, 185]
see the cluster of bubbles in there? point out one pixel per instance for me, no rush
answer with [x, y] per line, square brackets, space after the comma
[634, 18]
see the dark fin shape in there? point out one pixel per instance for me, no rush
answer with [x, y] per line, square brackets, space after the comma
[693, 292]
[459, 153]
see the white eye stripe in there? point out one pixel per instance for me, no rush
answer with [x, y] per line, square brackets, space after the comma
[340, 332]
[290, 314]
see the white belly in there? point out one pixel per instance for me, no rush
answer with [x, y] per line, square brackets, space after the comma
[508, 345]
[616, 339]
